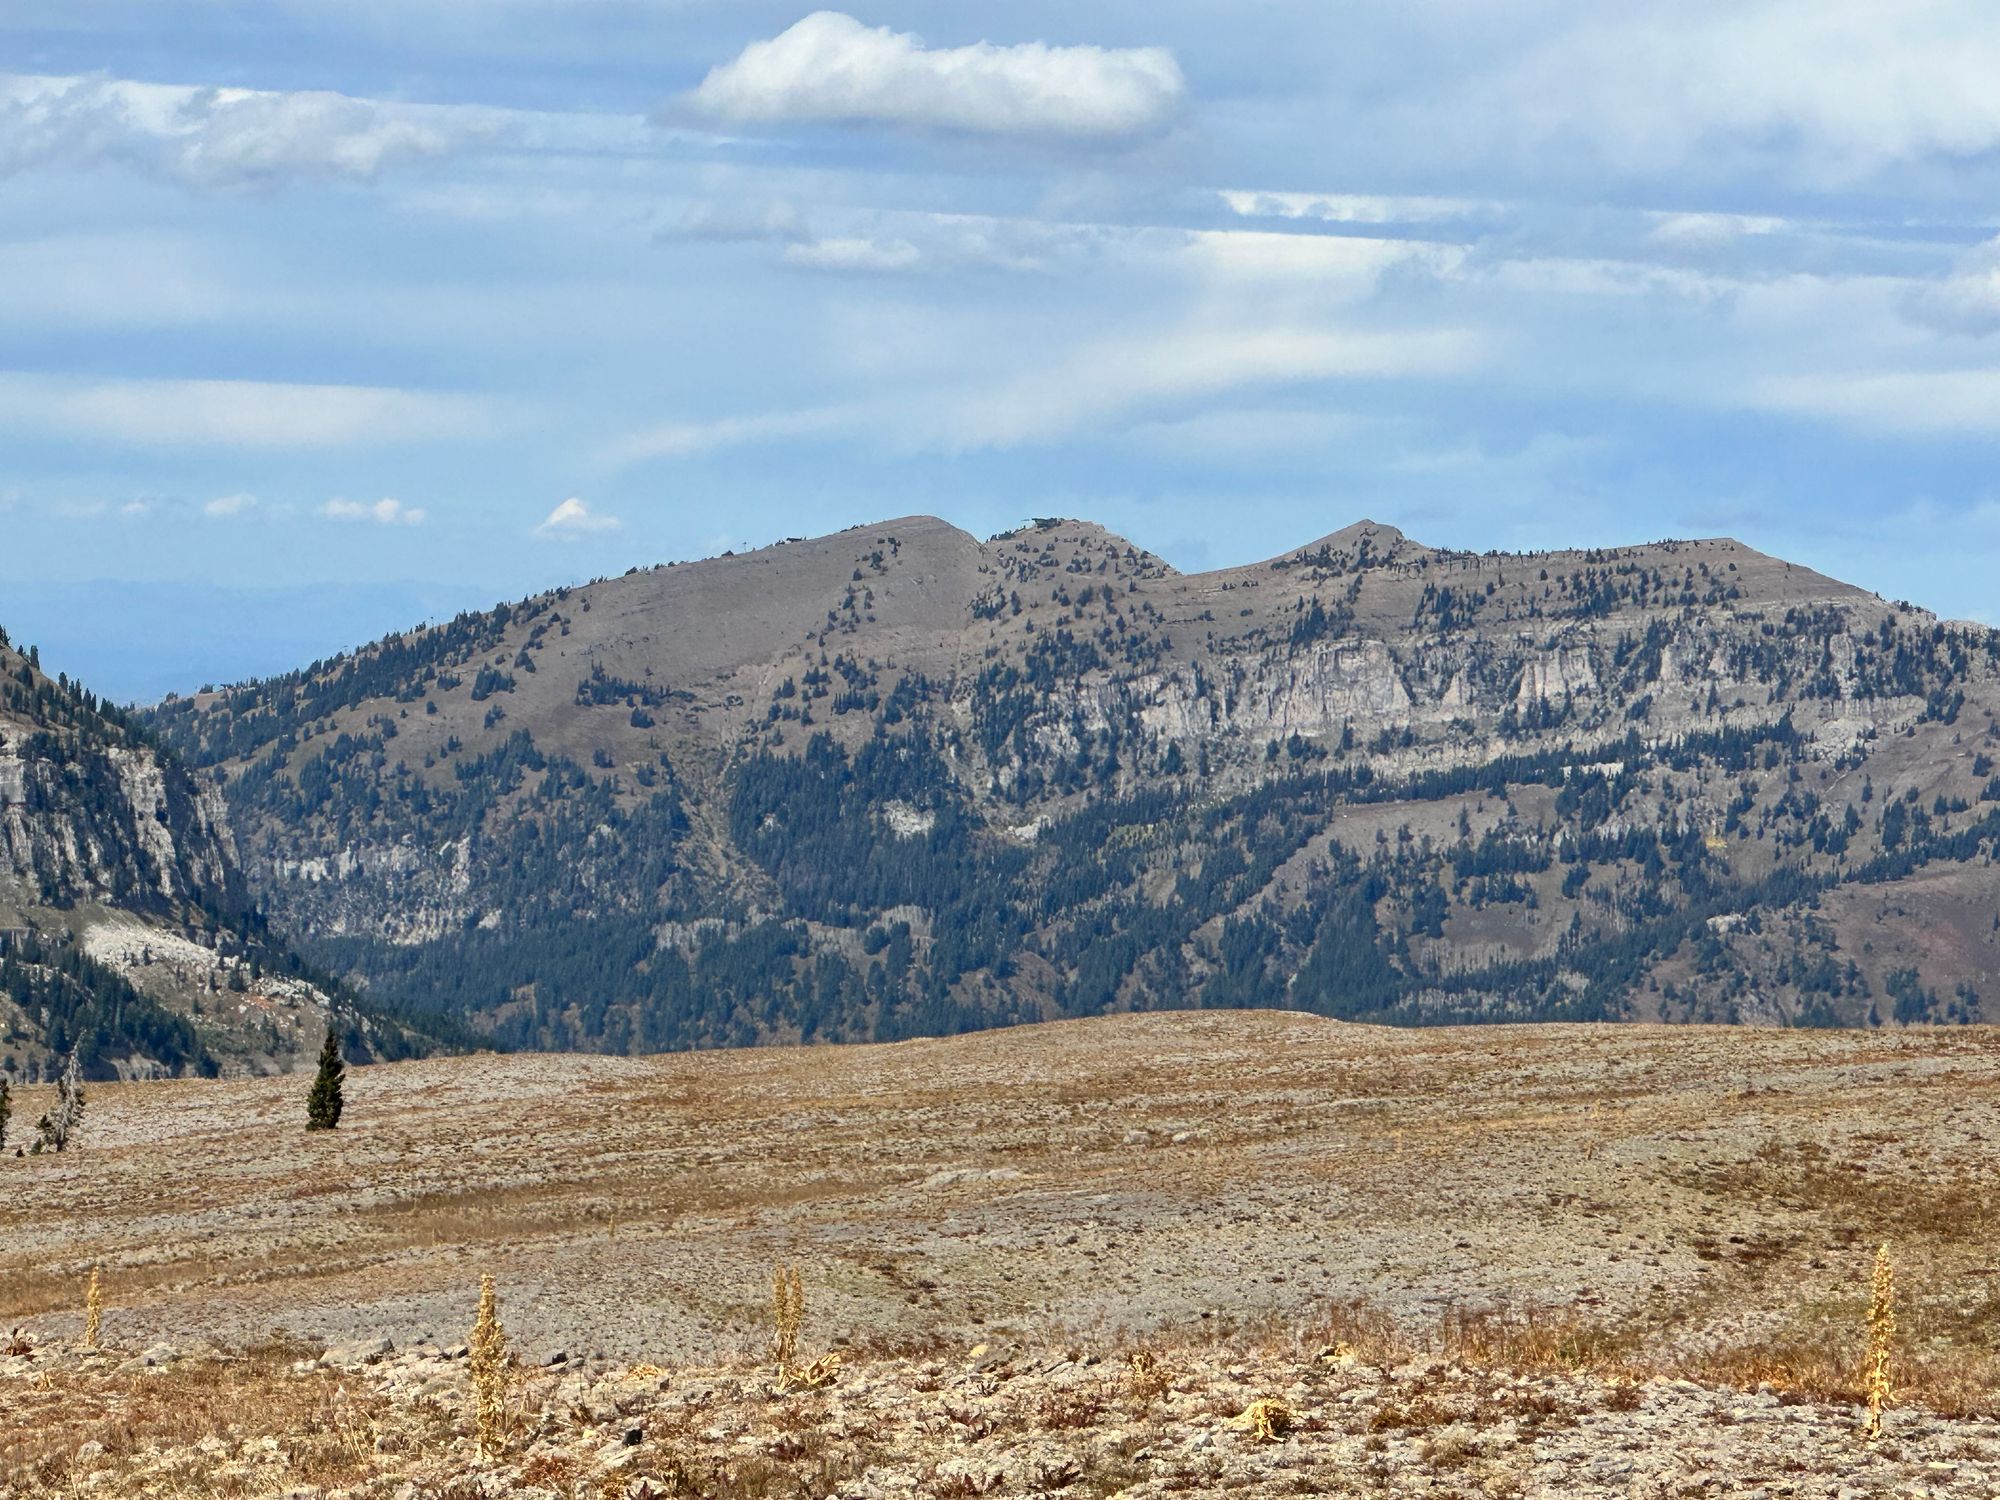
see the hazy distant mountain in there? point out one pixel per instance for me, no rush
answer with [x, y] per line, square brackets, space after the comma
[126, 930]
[900, 780]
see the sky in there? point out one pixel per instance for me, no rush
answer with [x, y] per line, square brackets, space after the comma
[319, 318]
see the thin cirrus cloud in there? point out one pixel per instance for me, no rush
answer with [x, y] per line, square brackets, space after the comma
[1102, 388]
[233, 413]
[574, 519]
[831, 69]
[225, 507]
[1899, 403]
[384, 512]
[216, 138]
[856, 253]
[738, 223]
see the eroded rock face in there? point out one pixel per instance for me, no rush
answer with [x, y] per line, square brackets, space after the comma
[113, 823]
[123, 908]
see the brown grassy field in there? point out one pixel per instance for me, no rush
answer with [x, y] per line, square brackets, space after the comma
[1627, 1203]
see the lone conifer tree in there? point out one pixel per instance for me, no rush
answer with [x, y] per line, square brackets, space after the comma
[323, 1103]
[6, 1111]
[59, 1126]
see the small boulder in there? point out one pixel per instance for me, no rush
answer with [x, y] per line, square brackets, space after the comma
[155, 1358]
[357, 1352]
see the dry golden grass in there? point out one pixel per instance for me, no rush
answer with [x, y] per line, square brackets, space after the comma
[327, 1432]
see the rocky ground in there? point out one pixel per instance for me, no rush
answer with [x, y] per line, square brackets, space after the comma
[1551, 1252]
[1153, 1420]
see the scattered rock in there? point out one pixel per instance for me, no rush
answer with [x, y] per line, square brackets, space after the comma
[357, 1352]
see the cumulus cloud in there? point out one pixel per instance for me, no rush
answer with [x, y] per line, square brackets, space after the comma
[218, 138]
[573, 519]
[383, 512]
[829, 68]
[230, 505]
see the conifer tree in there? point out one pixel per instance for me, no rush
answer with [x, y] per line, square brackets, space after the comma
[323, 1104]
[60, 1124]
[6, 1110]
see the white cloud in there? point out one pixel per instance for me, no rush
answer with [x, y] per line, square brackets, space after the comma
[382, 512]
[573, 519]
[1356, 208]
[1709, 231]
[1924, 403]
[230, 505]
[220, 138]
[233, 413]
[1331, 260]
[1839, 88]
[1257, 434]
[739, 222]
[1099, 389]
[1967, 300]
[1104, 383]
[830, 68]
[854, 253]
[688, 439]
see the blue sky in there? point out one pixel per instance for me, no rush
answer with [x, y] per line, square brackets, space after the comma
[319, 317]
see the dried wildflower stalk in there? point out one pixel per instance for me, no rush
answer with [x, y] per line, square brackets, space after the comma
[93, 1309]
[788, 1314]
[1881, 1338]
[487, 1359]
[1147, 1375]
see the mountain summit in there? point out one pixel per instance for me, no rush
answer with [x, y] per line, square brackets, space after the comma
[899, 780]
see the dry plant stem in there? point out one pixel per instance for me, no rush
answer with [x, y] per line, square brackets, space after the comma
[93, 1310]
[487, 1357]
[788, 1313]
[1881, 1338]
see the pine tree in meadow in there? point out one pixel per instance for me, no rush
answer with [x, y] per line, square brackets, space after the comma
[323, 1104]
[56, 1129]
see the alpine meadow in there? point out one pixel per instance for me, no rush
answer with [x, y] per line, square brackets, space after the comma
[999, 750]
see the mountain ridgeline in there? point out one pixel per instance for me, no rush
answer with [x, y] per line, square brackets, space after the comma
[128, 936]
[898, 781]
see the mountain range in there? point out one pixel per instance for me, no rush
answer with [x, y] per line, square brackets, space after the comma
[900, 781]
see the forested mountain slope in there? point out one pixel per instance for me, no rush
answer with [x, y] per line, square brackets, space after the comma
[898, 780]
[127, 933]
